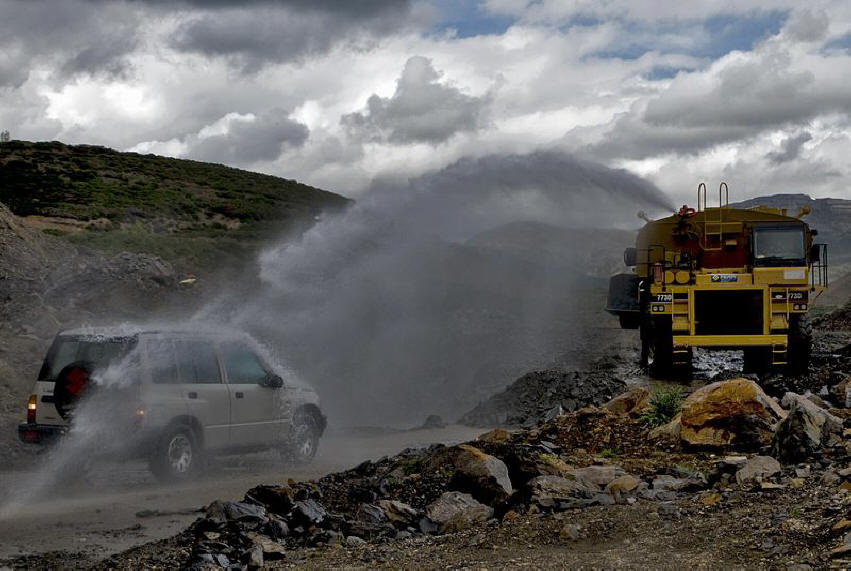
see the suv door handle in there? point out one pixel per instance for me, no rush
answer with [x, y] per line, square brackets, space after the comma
[192, 395]
[239, 395]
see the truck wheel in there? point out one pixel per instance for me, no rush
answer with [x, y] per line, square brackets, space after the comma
[756, 360]
[800, 345]
[303, 440]
[176, 455]
[657, 349]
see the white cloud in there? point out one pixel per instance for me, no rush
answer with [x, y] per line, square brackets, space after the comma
[632, 84]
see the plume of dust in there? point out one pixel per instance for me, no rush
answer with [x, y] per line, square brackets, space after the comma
[430, 294]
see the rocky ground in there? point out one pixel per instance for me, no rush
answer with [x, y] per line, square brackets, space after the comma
[540, 395]
[736, 478]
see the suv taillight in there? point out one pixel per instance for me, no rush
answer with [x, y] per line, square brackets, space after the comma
[32, 404]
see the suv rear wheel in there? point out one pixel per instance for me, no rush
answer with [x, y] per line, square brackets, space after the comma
[176, 455]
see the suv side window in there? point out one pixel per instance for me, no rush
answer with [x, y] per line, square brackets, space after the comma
[243, 366]
[161, 361]
[196, 361]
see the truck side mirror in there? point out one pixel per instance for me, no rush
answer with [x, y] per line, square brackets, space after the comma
[815, 253]
[630, 256]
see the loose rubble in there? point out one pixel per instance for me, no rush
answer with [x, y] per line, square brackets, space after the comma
[578, 462]
[542, 395]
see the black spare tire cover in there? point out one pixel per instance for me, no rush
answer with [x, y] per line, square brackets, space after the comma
[71, 384]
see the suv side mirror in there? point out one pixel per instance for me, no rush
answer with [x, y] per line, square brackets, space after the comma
[815, 253]
[630, 256]
[273, 381]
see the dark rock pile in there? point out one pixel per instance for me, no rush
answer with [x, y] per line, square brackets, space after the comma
[540, 395]
[837, 320]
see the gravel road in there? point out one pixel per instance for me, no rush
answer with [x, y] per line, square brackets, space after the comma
[121, 505]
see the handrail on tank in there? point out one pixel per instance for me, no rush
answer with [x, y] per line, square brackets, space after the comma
[726, 202]
[701, 205]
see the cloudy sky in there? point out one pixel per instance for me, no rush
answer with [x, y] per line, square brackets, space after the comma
[337, 93]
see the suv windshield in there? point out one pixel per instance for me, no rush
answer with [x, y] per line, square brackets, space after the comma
[778, 246]
[99, 351]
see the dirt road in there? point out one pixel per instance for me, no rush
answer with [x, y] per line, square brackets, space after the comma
[121, 505]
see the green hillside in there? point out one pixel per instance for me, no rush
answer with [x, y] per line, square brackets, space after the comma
[191, 213]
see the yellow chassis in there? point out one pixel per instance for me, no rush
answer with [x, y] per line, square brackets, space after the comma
[777, 284]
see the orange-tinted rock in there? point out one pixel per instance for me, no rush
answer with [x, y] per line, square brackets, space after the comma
[495, 436]
[733, 413]
[633, 402]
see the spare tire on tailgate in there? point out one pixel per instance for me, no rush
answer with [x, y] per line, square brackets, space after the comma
[72, 382]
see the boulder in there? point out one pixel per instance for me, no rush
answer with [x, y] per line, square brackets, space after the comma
[623, 484]
[454, 511]
[371, 514]
[668, 483]
[805, 430]
[550, 491]
[596, 477]
[733, 413]
[482, 475]
[756, 469]
[398, 513]
[817, 400]
[495, 436]
[308, 512]
[633, 402]
[841, 392]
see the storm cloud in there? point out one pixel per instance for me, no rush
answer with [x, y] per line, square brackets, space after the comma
[70, 37]
[790, 148]
[249, 139]
[277, 32]
[422, 110]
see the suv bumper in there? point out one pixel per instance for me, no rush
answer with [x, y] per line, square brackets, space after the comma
[39, 433]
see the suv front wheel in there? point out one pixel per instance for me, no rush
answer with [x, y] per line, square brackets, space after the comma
[303, 440]
[176, 455]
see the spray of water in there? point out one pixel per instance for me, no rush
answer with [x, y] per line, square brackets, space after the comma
[425, 296]
[430, 293]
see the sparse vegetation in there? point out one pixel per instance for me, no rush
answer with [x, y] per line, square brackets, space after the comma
[664, 405]
[195, 215]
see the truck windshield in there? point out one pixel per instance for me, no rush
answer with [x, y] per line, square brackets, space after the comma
[99, 351]
[778, 246]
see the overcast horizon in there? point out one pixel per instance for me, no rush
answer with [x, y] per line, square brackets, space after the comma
[338, 94]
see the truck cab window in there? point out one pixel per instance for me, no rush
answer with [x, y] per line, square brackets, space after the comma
[778, 246]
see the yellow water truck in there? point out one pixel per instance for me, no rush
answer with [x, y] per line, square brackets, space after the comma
[722, 278]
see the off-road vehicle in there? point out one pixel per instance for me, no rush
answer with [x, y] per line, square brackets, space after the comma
[722, 278]
[171, 397]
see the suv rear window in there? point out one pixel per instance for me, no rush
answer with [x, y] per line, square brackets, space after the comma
[197, 362]
[100, 352]
[161, 361]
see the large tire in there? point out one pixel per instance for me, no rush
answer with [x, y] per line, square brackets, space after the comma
[756, 360]
[657, 349]
[800, 345]
[176, 455]
[303, 439]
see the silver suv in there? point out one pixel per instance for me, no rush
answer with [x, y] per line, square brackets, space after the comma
[170, 396]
